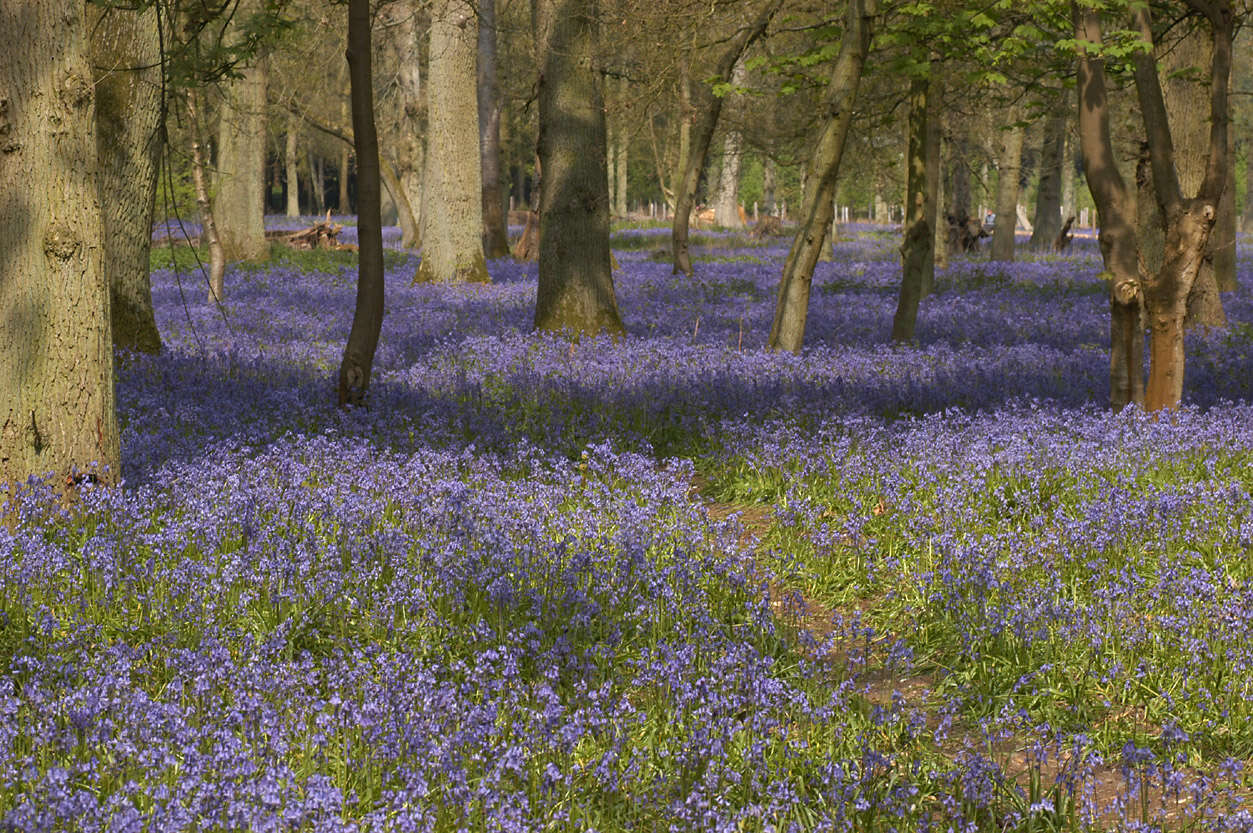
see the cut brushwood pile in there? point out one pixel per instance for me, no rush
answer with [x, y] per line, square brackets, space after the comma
[767, 226]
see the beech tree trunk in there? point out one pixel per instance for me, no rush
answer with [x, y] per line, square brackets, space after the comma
[240, 202]
[367, 319]
[291, 160]
[918, 247]
[495, 233]
[1047, 221]
[452, 184]
[706, 108]
[576, 292]
[125, 56]
[57, 410]
[1009, 166]
[792, 306]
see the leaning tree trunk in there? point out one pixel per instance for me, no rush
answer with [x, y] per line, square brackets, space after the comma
[1116, 207]
[125, 54]
[495, 233]
[918, 248]
[240, 200]
[792, 307]
[575, 294]
[367, 319]
[1047, 221]
[209, 230]
[1009, 166]
[707, 107]
[57, 412]
[452, 184]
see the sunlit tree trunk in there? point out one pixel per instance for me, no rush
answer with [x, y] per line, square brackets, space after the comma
[291, 161]
[240, 200]
[576, 293]
[125, 56]
[792, 306]
[1009, 166]
[199, 178]
[495, 234]
[727, 198]
[57, 411]
[452, 184]
[620, 156]
[367, 319]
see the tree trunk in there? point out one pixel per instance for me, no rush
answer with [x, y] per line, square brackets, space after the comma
[367, 319]
[727, 199]
[240, 203]
[1247, 225]
[1068, 174]
[1009, 166]
[918, 248]
[495, 235]
[57, 411]
[1047, 221]
[1187, 114]
[959, 171]
[402, 129]
[767, 186]
[125, 53]
[217, 258]
[1115, 206]
[620, 155]
[291, 160]
[707, 107]
[935, 152]
[1188, 222]
[788, 330]
[452, 184]
[576, 293]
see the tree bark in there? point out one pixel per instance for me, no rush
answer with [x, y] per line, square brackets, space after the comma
[495, 234]
[291, 160]
[1188, 222]
[240, 203]
[217, 258]
[918, 247]
[792, 306]
[452, 184]
[727, 199]
[367, 319]
[1115, 206]
[1009, 166]
[707, 107]
[125, 55]
[576, 293]
[57, 410]
[620, 156]
[1186, 110]
[1047, 221]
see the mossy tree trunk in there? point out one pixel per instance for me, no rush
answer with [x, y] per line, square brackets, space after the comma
[57, 408]
[1047, 221]
[495, 233]
[918, 247]
[125, 56]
